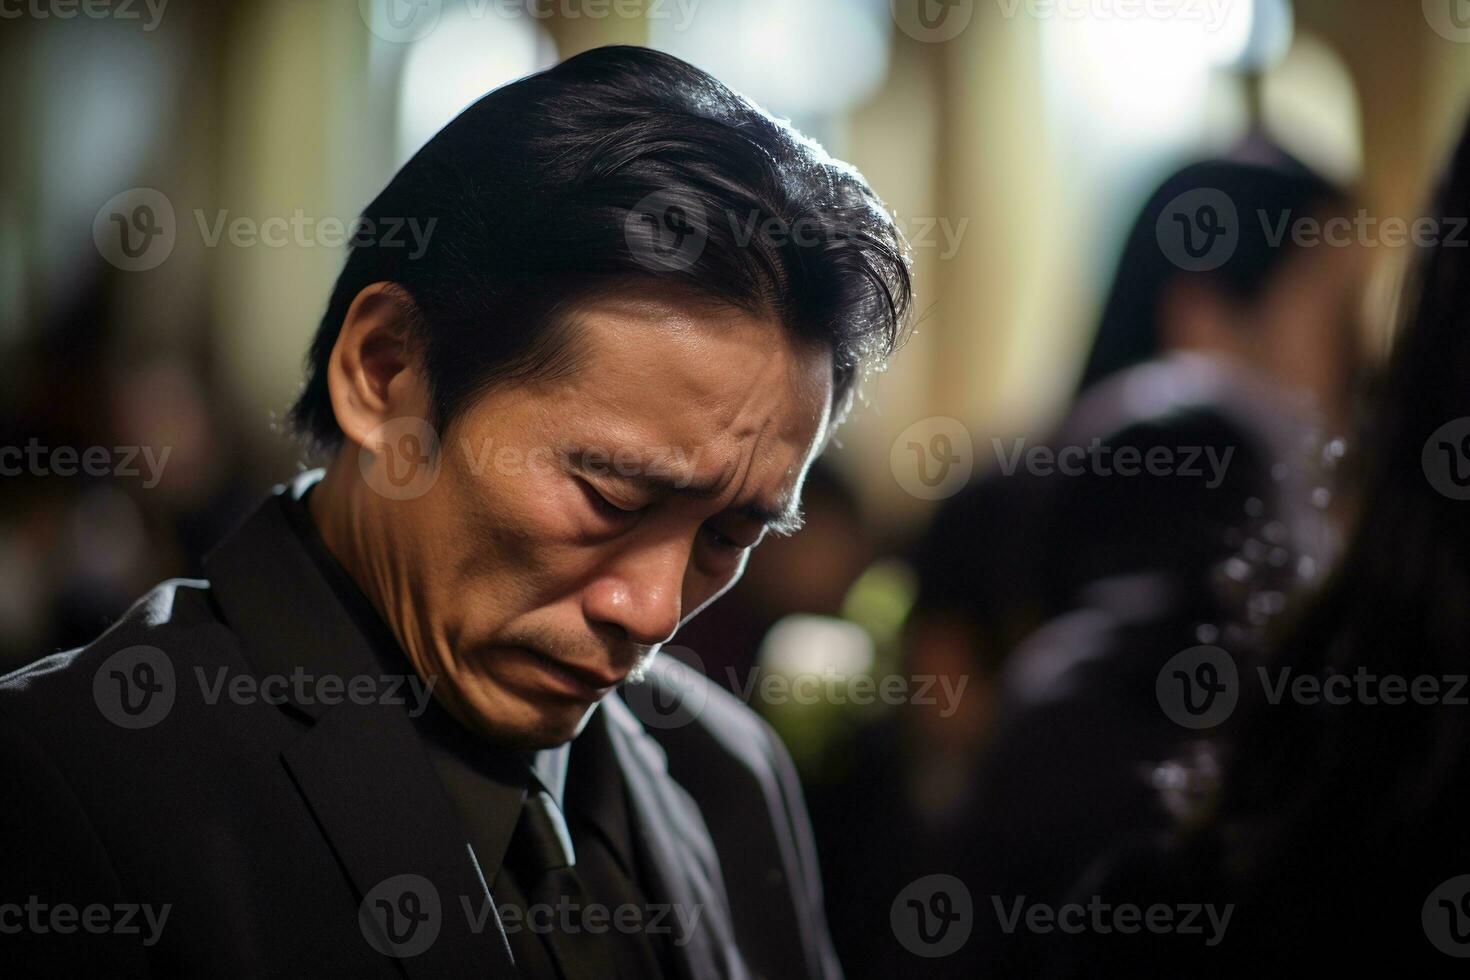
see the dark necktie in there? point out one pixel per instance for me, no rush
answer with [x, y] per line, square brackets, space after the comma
[542, 848]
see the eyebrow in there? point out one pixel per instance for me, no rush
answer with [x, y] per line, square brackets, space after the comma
[781, 520]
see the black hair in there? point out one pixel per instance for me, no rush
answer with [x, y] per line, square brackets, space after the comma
[1128, 332]
[620, 166]
[1396, 604]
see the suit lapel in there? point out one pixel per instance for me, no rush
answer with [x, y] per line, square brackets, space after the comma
[681, 855]
[360, 767]
[378, 802]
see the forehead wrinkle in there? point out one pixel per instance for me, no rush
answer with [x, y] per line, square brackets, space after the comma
[784, 513]
[731, 415]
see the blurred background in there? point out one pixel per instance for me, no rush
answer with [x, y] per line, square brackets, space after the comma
[145, 378]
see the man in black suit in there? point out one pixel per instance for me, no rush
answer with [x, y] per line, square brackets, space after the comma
[414, 723]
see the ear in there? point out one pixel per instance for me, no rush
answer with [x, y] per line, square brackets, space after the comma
[1193, 316]
[374, 374]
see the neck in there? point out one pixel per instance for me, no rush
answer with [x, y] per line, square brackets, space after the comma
[356, 536]
[349, 516]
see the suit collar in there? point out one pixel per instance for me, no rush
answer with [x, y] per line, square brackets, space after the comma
[295, 607]
[360, 767]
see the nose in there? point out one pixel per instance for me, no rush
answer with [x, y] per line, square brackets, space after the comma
[641, 592]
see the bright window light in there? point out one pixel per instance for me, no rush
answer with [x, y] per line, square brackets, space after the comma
[793, 57]
[1143, 75]
[472, 50]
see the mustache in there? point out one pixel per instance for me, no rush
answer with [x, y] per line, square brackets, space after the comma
[585, 651]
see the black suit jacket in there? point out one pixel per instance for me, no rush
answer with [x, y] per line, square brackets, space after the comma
[262, 830]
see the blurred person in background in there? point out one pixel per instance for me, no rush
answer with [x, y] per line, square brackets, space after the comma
[127, 470]
[1181, 506]
[969, 610]
[1337, 825]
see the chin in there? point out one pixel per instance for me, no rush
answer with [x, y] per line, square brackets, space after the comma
[520, 723]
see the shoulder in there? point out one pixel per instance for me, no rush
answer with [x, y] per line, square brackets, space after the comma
[740, 776]
[691, 716]
[80, 697]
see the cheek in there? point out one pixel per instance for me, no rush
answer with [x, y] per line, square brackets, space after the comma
[701, 588]
[532, 539]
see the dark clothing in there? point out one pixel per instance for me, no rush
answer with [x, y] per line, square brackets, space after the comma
[1340, 903]
[228, 783]
[1131, 570]
[487, 789]
[488, 798]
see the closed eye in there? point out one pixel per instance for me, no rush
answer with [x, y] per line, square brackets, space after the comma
[724, 542]
[604, 506]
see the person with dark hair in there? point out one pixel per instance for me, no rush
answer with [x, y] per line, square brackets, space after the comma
[1272, 311]
[415, 721]
[1174, 509]
[1335, 828]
